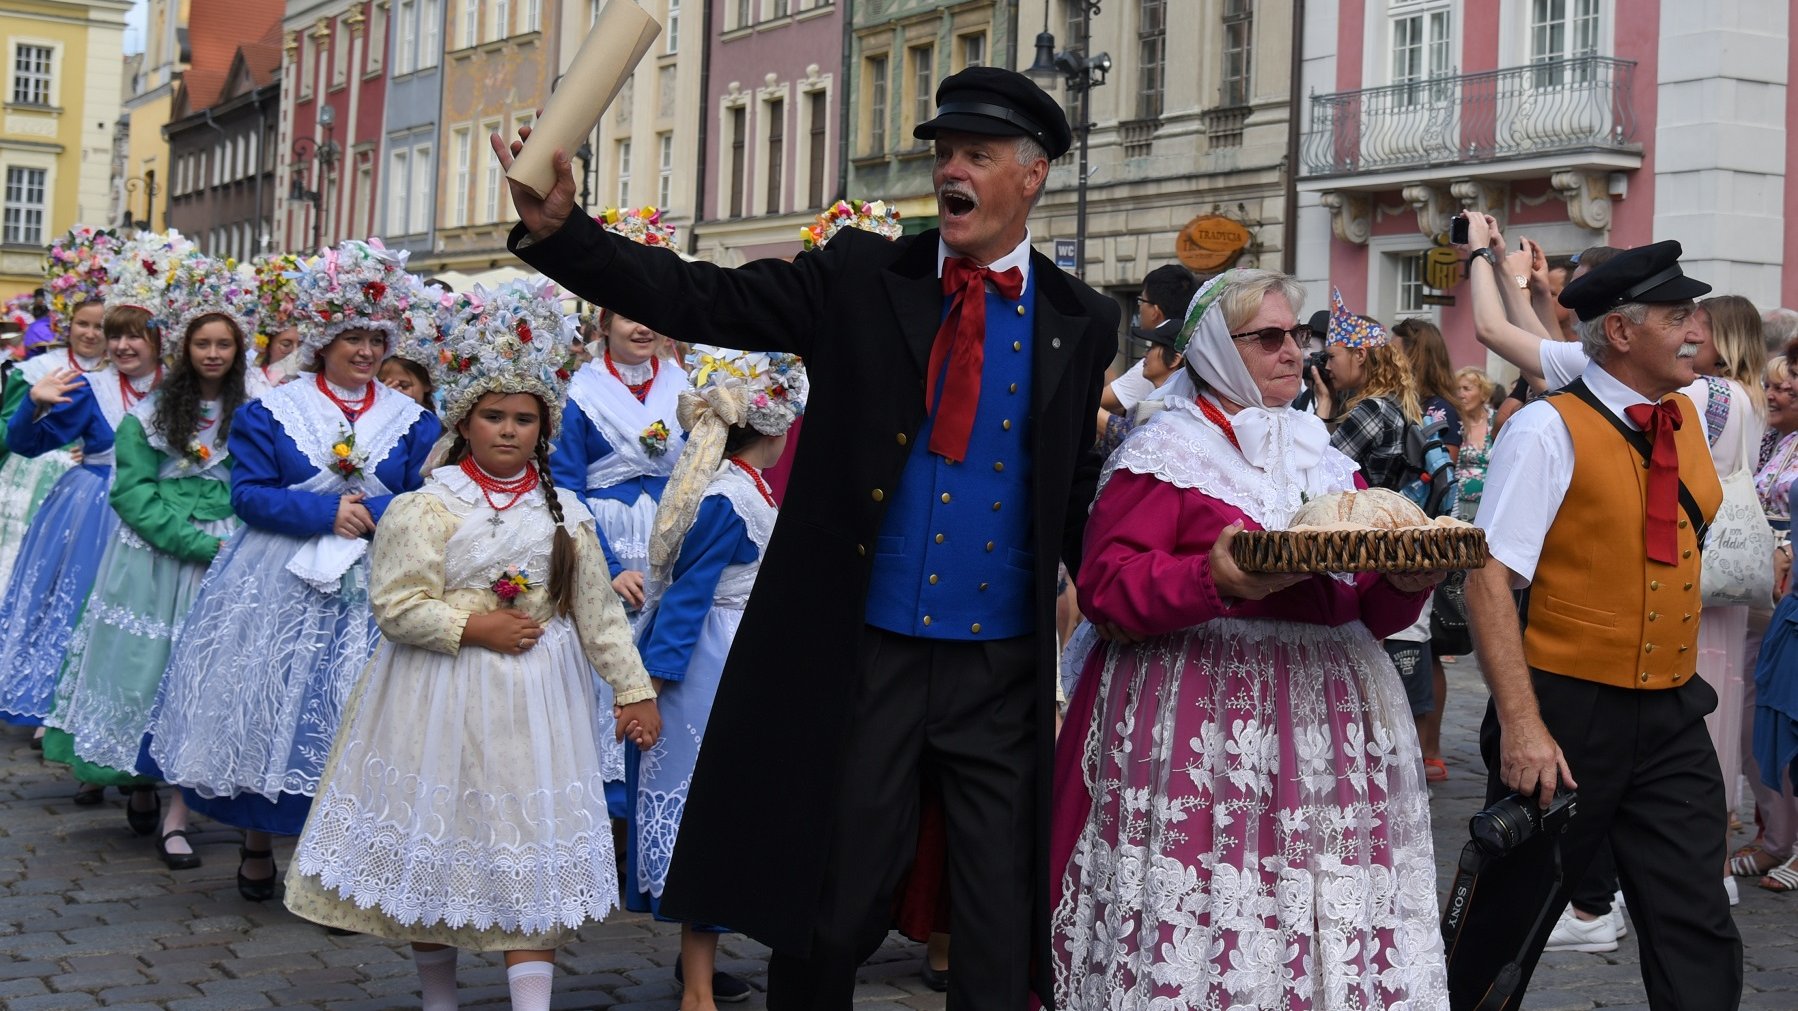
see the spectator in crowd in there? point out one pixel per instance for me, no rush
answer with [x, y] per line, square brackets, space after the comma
[1164, 295]
[1778, 327]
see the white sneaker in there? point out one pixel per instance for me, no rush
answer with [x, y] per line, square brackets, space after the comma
[1729, 889]
[1574, 934]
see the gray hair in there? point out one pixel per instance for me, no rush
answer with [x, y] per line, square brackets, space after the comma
[1591, 333]
[1028, 152]
[1779, 326]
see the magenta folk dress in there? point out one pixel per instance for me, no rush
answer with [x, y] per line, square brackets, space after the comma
[1240, 813]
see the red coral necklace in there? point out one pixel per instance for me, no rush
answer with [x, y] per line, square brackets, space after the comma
[760, 485]
[350, 410]
[75, 363]
[517, 487]
[638, 390]
[1216, 417]
[128, 393]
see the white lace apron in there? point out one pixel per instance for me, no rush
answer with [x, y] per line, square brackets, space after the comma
[615, 412]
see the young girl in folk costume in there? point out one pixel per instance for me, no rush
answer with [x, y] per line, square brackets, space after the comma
[281, 626]
[80, 264]
[713, 524]
[171, 490]
[462, 806]
[278, 333]
[61, 552]
[619, 443]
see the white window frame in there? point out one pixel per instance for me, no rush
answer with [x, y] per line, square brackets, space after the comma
[802, 169]
[430, 34]
[418, 219]
[533, 17]
[32, 221]
[399, 194]
[491, 180]
[462, 143]
[46, 76]
[1435, 53]
[500, 25]
[377, 37]
[623, 152]
[965, 42]
[405, 36]
[308, 62]
[339, 55]
[1581, 25]
[1409, 285]
[471, 23]
[664, 168]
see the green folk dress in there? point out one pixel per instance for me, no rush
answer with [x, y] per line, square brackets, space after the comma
[25, 480]
[175, 510]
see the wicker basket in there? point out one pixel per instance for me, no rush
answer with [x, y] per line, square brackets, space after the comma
[1413, 549]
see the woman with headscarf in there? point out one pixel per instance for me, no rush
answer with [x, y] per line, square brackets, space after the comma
[1240, 812]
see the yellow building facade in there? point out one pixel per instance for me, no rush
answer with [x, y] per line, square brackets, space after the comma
[62, 67]
[142, 187]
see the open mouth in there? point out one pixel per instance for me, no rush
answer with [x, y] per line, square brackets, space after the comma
[958, 205]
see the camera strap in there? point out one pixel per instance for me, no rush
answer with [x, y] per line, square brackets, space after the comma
[1460, 896]
[1504, 985]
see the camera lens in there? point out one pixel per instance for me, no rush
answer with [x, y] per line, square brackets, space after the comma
[1499, 828]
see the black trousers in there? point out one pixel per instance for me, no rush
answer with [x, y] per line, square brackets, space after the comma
[1649, 782]
[963, 713]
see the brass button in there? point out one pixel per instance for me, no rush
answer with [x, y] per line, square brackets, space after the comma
[1684, 524]
[1676, 679]
[939, 538]
[1644, 677]
[933, 579]
[1682, 649]
[989, 545]
[945, 498]
[1686, 618]
[1014, 387]
[1654, 615]
[1006, 424]
[1648, 647]
[975, 627]
[1017, 345]
[1686, 553]
[902, 439]
[861, 549]
[999, 466]
[983, 587]
[927, 621]
[1654, 584]
[878, 495]
[996, 506]
[1020, 313]
[1688, 586]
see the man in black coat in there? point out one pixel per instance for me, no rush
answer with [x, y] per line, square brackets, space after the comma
[902, 627]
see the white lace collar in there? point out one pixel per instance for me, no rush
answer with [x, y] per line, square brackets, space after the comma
[636, 374]
[458, 484]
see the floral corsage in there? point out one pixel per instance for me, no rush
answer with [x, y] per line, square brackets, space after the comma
[511, 583]
[198, 454]
[345, 461]
[654, 440]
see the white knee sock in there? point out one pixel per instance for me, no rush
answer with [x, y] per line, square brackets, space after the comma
[531, 983]
[437, 978]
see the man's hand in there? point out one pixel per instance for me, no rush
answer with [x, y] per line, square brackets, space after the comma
[542, 216]
[1233, 582]
[1530, 762]
[629, 585]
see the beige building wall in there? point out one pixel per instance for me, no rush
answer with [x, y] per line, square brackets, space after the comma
[146, 111]
[61, 128]
[1214, 145]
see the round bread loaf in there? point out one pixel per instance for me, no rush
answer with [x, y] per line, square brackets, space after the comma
[1369, 509]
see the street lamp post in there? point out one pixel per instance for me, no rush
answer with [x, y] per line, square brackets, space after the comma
[305, 152]
[1081, 73]
[147, 183]
[584, 155]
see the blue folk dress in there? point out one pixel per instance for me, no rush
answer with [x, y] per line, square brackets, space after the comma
[60, 556]
[25, 481]
[605, 453]
[281, 627]
[686, 636]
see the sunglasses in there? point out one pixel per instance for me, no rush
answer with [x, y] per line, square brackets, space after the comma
[1273, 338]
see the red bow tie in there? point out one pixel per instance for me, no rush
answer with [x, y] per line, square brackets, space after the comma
[1659, 422]
[961, 342]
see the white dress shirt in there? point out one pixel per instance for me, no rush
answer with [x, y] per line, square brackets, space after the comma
[1737, 446]
[1531, 469]
[1132, 387]
[1019, 257]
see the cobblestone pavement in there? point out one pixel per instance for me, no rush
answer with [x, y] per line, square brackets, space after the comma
[90, 918]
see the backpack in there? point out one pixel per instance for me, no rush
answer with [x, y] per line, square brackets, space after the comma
[1433, 485]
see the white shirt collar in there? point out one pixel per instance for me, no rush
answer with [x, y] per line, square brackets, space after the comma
[1019, 257]
[1611, 393]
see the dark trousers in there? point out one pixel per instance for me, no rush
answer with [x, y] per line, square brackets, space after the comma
[963, 713]
[1596, 890]
[1649, 782]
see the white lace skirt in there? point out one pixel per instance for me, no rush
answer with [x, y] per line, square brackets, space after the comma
[1249, 828]
[463, 794]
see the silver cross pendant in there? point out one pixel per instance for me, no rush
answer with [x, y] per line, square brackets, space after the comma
[495, 522]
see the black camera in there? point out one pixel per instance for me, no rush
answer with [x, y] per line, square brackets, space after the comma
[1457, 229]
[1320, 360]
[1517, 819]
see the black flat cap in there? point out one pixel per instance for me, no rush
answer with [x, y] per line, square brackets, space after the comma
[998, 103]
[1646, 274]
[1166, 335]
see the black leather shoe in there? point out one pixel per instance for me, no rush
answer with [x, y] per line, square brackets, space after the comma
[89, 797]
[179, 861]
[726, 989]
[256, 889]
[143, 822]
[938, 981]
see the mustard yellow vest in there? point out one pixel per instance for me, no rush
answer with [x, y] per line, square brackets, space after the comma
[1599, 609]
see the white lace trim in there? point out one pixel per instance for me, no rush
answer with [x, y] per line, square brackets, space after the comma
[105, 385]
[314, 423]
[621, 419]
[736, 581]
[1180, 447]
[177, 463]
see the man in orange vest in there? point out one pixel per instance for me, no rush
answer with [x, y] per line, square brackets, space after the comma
[1595, 507]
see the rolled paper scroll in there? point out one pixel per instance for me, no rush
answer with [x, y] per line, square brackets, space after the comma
[620, 37]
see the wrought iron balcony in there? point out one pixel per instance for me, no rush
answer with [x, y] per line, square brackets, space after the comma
[1554, 107]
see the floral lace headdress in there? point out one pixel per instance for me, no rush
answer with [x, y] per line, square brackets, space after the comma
[354, 285]
[141, 277]
[875, 216]
[78, 269]
[511, 339]
[277, 300]
[199, 286]
[767, 392]
[638, 224]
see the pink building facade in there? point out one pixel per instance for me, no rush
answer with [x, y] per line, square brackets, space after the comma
[333, 99]
[772, 126]
[1574, 122]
